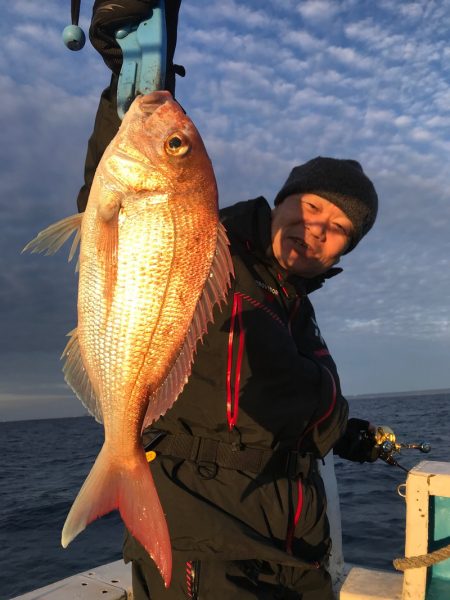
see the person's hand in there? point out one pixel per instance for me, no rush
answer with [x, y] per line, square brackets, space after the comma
[358, 442]
[108, 17]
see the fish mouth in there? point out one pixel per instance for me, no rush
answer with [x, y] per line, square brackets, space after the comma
[149, 103]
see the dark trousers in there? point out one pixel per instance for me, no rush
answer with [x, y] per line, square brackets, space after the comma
[231, 580]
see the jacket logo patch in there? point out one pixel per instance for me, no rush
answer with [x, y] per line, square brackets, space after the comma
[266, 287]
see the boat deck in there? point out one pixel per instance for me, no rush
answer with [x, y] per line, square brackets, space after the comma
[109, 582]
[113, 582]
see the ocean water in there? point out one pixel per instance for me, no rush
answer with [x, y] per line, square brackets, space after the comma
[44, 463]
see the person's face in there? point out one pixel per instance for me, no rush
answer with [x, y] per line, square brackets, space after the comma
[309, 234]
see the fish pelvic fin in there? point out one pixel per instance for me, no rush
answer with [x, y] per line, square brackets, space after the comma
[127, 486]
[214, 292]
[77, 378]
[50, 239]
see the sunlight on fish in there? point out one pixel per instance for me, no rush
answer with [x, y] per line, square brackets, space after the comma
[154, 261]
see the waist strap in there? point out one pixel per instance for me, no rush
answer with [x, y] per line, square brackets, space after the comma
[204, 451]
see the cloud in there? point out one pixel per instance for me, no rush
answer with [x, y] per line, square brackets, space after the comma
[318, 10]
[30, 406]
[268, 87]
[304, 40]
[28, 35]
[32, 387]
[350, 57]
[364, 325]
[234, 12]
[52, 10]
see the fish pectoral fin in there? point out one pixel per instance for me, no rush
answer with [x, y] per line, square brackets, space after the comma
[51, 239]
[108, 211]
[214, 292]
[77, 378]
[107, 253]
[128, 487]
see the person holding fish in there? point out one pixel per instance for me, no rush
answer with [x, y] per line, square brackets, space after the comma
[233, 427]
[236, 456]
[235, 459]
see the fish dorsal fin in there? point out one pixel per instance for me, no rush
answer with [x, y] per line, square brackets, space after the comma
[214, 292]
[50, 239]
[77, 378]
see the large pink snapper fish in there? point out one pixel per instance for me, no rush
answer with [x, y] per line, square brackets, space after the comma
[154, 261]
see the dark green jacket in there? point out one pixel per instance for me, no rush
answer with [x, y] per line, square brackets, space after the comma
[262, 378]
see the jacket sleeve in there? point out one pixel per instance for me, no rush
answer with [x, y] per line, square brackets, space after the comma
[106, 125]
[329, 421]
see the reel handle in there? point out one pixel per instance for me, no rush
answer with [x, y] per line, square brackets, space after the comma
[424, 447]
[387, 443]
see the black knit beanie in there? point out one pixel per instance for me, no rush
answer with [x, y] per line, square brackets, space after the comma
[342, 182]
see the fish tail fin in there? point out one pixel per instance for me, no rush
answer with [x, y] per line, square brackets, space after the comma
[129, 488]
[97, 497]
[143, 516]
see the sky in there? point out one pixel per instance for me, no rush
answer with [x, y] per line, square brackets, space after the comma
[269, 85]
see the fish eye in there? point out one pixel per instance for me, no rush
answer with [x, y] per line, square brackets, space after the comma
[177, 144]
